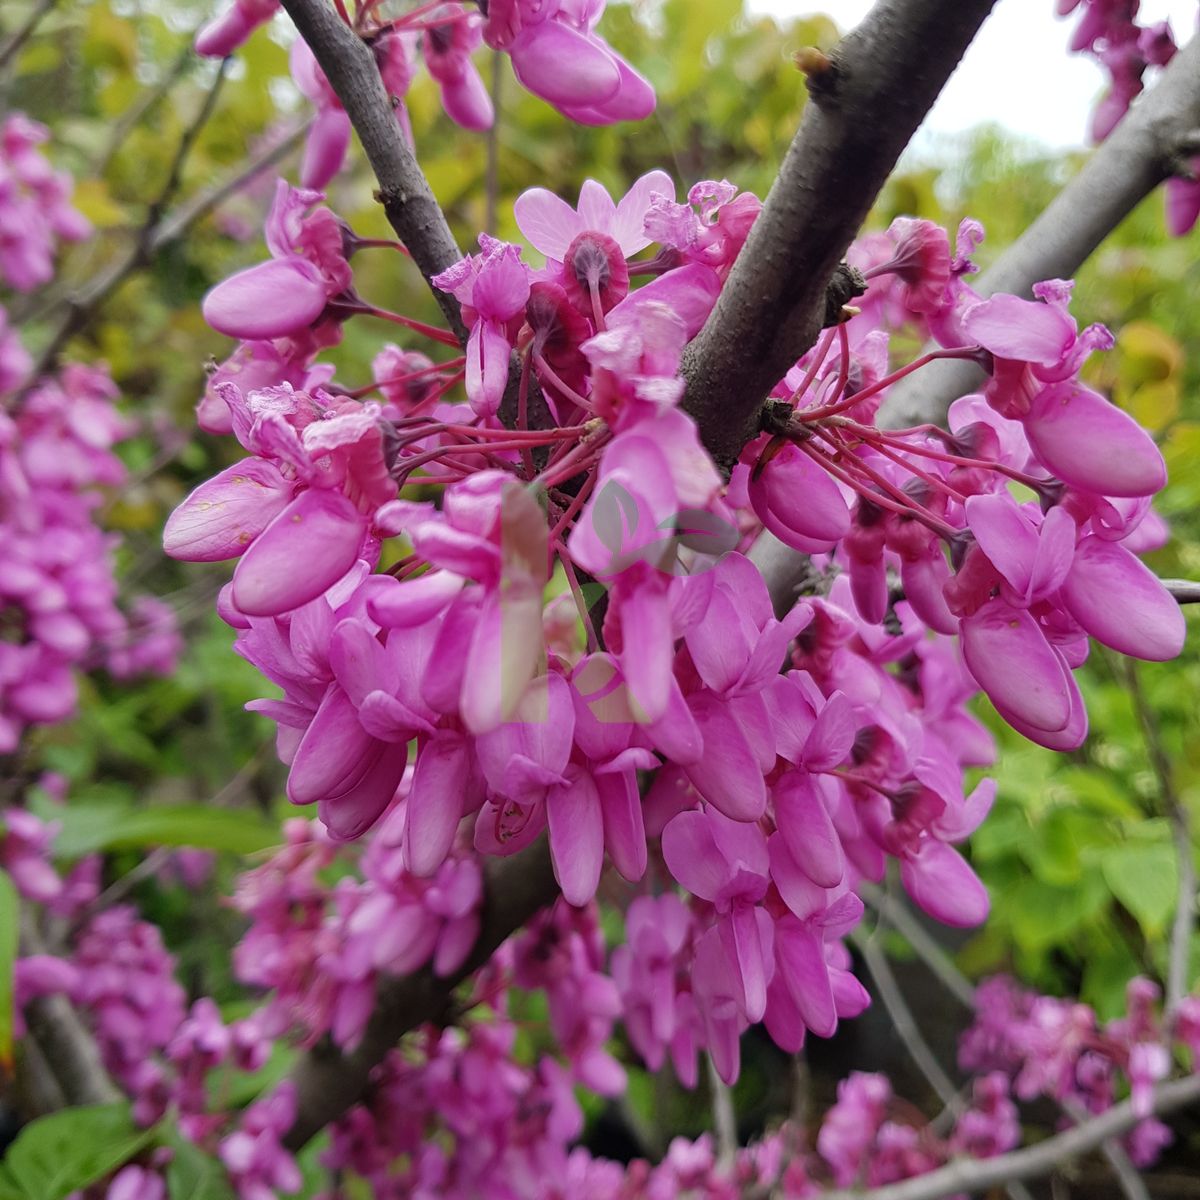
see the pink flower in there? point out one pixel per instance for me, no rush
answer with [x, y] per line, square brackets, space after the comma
[556, 56]
[592, 242]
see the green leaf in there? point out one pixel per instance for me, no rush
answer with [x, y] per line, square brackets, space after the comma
[1144, 877]
[1043, 914]
[66, 1151]
[89, 828]
[10, 912]
[194, 1175]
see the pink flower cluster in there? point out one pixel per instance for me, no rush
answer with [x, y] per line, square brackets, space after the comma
[555, 52]
[1058, 1048]
[35, 207]
[1109, 31]
[318, 951]
[474, 693]
[58, 594]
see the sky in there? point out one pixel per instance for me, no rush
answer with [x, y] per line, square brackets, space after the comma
[1017, 71]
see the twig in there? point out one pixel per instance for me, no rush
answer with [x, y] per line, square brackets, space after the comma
[1185, 591]
[65, 1044]
[9, 50]
[80, 309]
[1177, 815]
[775, 299]
[1137, 156]
[903, 1021]
[82, 306]
[145, 101]
[404, 192]
[724, 1121]
[978, 1175]
[959, 986]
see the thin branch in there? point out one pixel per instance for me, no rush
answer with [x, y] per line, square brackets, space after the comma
[904, 1023]
[81, 308]
[724, 1120]
[328, 1082]
[1136, 157]
[959, 986]
[1185, 591]
[1177, 815]
[145, 101]
[67, 1047]
[9, 50]
[862, 112]
[978, 1175]
[404, 192]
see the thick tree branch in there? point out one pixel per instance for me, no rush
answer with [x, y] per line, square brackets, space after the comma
[1140, 153]
[404, 192]
[862, 112]
[974, 1176]
[328, 1082]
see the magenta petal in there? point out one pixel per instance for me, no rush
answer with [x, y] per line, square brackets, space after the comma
[832, 737]
[1070, 737]
[563, 66]
[224, 34]
[319, 529]
[1182, 198]
[804, 822]
[801, 956]
[1011, 660]
[624, 827]
[415, 601]
[805, 898]
[576, 836]
[1026, 330]
[333, 754]
[351, 814]
[548, 221]
[1089, 443]
[740, 937]
[634, 99]
[727, 773]
[435, 802]
[942, 883]
[803, 500]
[276, 298]
[467, 102]
[649, 647]
[326, 147]
[487, 367]
[692, 856]
[223, 516]
[1005, 535]
[1122, 603]
[628, 226]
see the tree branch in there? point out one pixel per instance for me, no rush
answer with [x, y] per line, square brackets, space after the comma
[404, 192]
[959, 986]
[978, 1175]
[80, 307]
[65, 1045]
[1139, 154]
[862, 112]
[328, 1082]
[22, 35]
[1177, 815]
